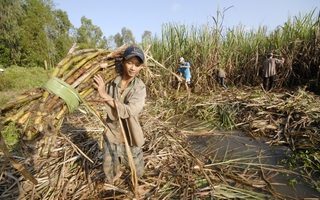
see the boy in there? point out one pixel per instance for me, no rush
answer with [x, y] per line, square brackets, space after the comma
[125, 98]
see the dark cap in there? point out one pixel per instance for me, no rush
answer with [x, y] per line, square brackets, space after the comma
[270, 54]
[133, 51]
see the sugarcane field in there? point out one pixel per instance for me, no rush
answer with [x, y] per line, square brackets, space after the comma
[237, 139]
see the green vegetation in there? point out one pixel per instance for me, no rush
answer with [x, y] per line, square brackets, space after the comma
[306, 162]
[16, 79]
[20, 78]
[11, 134]
[34, 31]
[241, 52]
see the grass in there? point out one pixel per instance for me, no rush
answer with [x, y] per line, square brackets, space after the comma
[11, 134]
[14, 80]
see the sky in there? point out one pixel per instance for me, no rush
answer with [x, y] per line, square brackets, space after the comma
[150, 15]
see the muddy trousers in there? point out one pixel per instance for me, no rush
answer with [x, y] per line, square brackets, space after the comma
[115, 154]
[271, 82]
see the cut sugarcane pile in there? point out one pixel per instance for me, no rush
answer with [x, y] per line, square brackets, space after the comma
[41, 110]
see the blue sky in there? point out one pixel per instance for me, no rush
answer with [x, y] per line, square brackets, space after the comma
[140, 15]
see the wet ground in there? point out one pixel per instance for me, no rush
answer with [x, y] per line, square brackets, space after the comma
[257, 160]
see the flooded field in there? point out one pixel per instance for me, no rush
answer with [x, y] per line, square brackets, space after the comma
[252, 160]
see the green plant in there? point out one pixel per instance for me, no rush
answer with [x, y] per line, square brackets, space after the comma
[11, 134]
[226, 116]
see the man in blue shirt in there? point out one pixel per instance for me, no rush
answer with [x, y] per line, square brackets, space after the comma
[185, 71]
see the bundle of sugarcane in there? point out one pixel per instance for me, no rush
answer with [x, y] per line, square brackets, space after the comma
[43, 109]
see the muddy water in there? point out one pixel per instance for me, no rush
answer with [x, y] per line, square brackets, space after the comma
[222, 147]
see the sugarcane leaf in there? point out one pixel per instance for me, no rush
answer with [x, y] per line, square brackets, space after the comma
[69, 95]
[64, 91]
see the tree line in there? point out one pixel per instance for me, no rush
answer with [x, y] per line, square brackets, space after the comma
[34, 31]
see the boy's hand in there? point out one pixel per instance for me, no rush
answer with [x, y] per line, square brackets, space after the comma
[100, 85]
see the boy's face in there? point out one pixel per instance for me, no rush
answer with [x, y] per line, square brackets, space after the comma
[132, 66]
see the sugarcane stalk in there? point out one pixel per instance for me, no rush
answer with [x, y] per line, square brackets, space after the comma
[55, 99]
[71, 63]
[39, 114]
[50, 140]
[43, 100]
[19, 100]
[29, 134]
[110, 75]
[61, 69]
[64, 64]
[80, 64]
[16, 116]
[60, 114]
[58, 105]
[52, 103]
[44, 146]
[86, 92]
[83, 51]
[76, 75]
[37, 122]
[111, 70]
[61, 64]
[86, 76]
[24, 118]
[82, 82]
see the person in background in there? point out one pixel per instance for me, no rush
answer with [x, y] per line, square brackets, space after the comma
[125, 98]
[269, 71]
[186, 73]
[221, 76]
